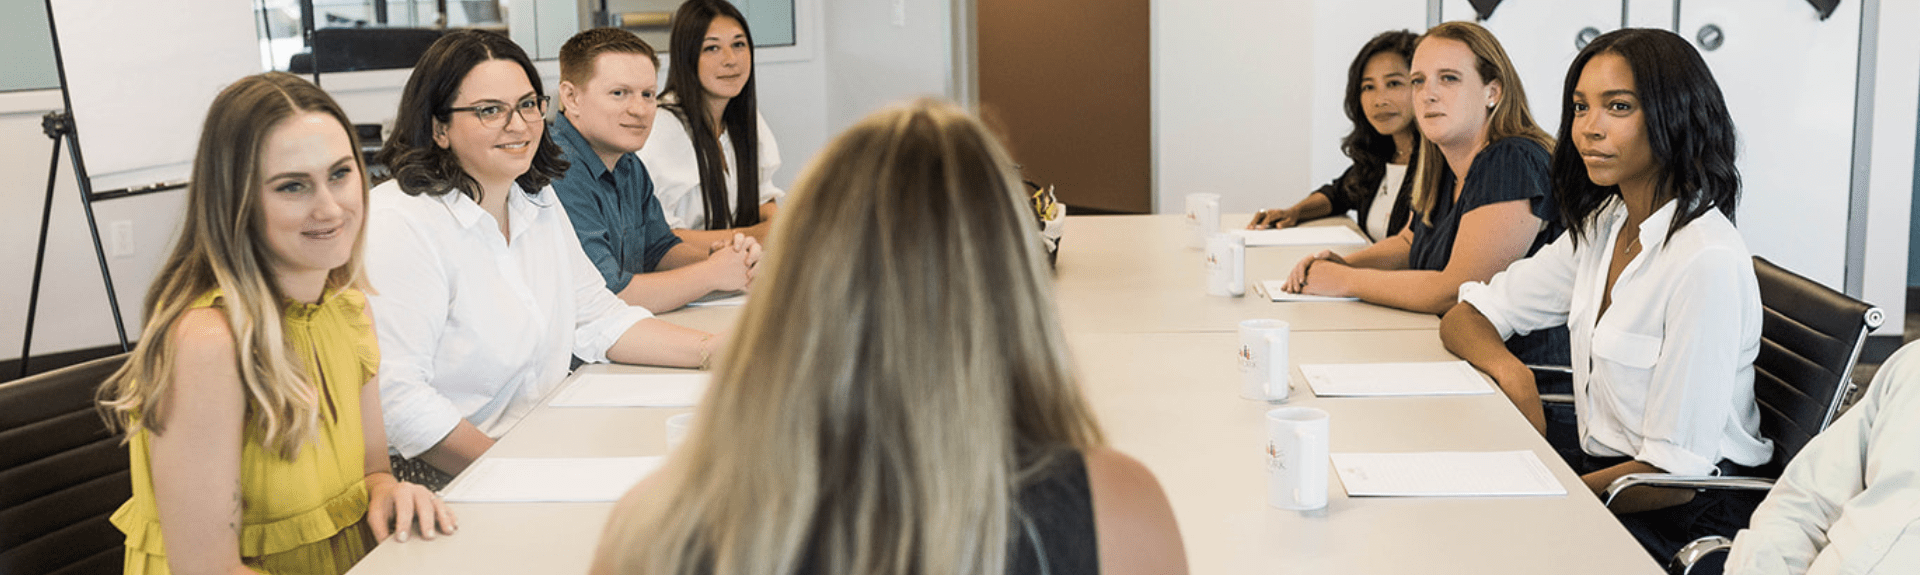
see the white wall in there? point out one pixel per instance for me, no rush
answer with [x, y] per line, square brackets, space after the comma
[872, 61]
[73, 312]
[846, 64]
[1891, 171]
[1232, 101]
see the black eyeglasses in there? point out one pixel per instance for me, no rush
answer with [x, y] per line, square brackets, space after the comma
[494, 115]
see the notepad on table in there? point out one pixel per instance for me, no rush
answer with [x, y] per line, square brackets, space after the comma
[1445, 474]
[720, 299]
[505, 479]
[1271, 289]
[1308, 236]
[633, 390]
[1417, 378]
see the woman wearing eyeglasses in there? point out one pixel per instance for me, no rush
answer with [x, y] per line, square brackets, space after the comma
[483, 293]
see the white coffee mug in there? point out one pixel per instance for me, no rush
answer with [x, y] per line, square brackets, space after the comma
[1264, 369]
[1203, 217]
[1297, 458]
[677, 427]
[1226, 265]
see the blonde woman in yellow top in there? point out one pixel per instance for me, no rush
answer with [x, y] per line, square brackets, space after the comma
[251, 402]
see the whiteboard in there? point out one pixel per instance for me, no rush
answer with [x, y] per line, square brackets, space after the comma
[141, 75]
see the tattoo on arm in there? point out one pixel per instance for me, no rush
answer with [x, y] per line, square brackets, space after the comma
[233, 517]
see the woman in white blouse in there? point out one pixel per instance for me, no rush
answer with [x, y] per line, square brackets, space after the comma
[1654, 282]
[711, 156]
[483, 293]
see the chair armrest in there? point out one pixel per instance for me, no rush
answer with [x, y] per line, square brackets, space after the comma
[1560, 370]
[1697, 551]
[1632, 480]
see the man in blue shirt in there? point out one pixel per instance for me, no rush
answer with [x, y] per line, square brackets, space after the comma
[608, 81]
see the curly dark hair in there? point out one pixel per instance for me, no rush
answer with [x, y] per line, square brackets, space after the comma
[1687, 125]
[425, 168]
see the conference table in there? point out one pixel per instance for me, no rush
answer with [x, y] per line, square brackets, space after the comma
[1155, 358]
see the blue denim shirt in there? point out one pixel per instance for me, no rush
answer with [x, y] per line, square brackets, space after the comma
[614, 212]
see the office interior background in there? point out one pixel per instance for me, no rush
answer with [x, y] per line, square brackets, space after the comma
[1124, 105]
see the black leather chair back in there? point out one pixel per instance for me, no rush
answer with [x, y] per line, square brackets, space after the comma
[1811, 337]
[61, 474]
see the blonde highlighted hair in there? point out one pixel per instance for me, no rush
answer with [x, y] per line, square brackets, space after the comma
[1509, 117]
[220, 248]
[900, 379]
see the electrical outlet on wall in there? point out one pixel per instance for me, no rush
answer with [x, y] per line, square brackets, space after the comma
[120, 239]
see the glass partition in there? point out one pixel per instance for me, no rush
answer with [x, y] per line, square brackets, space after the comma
[326, 36]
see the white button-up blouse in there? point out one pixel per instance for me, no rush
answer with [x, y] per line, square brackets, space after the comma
[474, 325]
[675, 170]
[1666, 377]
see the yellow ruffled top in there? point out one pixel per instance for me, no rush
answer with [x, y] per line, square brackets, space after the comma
[302, 515]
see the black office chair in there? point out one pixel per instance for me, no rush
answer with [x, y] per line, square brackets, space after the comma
[62, 473]
[350, 49]
[1809, 340]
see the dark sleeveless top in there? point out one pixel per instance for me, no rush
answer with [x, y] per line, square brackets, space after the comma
[1058, 506]
[1056, 509]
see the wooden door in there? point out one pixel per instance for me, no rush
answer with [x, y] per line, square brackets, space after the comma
[1067, 82]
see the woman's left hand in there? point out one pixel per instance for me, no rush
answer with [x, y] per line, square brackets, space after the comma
[399, 508]
[1299, 281]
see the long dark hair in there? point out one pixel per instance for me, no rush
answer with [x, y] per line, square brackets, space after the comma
[741, 116]
[1687, 125]
[1369, 149]
[421, 166]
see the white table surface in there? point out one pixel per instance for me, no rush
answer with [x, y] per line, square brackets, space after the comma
[1139, 274]
[1165, 388]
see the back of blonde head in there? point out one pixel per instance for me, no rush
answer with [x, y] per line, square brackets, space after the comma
[898, 373]
[1510, 117]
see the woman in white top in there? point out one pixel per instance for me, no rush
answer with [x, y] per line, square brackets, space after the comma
[1654, 281]
[1381, 145]
[484, 295]
[711, 156]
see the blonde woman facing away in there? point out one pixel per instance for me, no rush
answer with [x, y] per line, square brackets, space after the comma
[917, 416]
[251, 402]
[1480, 194]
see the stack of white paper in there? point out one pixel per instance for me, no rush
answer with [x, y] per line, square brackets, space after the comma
[720, 299]
[1271, 289]
[500, 479]
[633, 390]
[1379, 379]
[1309, 236]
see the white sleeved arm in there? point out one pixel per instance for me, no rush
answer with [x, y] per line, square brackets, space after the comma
[410, 312]
[1790, 528]
[769, 164]
[1533, 293]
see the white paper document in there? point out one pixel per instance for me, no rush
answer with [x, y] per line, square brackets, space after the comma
[720, 299]
[1309, 236]
[1271, 289]
[1381, 379]
[633, 390]
[1445, 474]
[504, 479]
